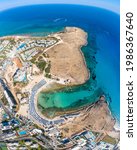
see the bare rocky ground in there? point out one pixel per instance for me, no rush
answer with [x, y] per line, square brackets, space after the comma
[96, 117]
[67, 60]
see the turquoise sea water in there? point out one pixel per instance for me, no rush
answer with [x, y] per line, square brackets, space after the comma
[101, 53]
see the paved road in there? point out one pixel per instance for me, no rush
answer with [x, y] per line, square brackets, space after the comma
[32, 110]
[45, 144]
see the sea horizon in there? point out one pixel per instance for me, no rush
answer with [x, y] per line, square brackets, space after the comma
[102, 53]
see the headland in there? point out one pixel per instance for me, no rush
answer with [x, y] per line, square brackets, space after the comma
[30, 65]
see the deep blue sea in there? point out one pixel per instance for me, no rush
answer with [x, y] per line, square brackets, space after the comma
[102, 52]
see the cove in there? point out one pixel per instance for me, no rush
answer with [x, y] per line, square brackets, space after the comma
[102, 53]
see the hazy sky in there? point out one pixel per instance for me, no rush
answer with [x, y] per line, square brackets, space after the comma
[112, 5]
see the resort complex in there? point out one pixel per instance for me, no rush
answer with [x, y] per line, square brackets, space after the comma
[31, 65]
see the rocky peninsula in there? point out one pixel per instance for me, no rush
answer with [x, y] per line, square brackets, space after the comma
[56, 58]
[67, 60]
[96, 117]
[29, 65]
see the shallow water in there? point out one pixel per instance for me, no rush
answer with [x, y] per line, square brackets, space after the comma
[101, 53]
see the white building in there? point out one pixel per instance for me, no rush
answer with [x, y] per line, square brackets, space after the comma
[11, 102]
